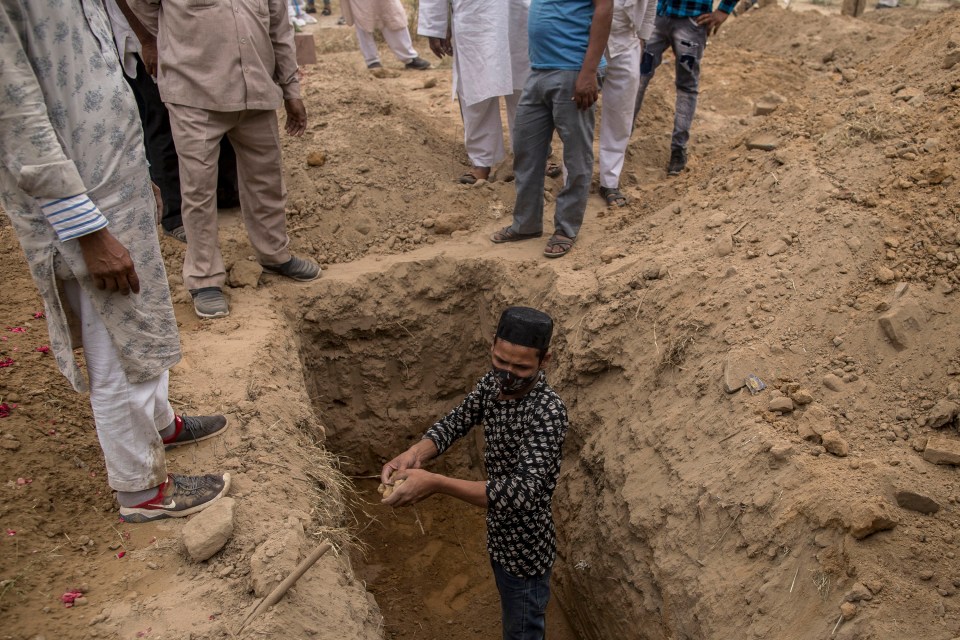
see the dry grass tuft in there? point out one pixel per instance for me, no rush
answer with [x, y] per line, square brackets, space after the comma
[675, 350]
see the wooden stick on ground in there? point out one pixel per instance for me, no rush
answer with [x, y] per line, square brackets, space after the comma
[274, 596]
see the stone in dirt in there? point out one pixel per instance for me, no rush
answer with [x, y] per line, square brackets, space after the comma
[942, 451]
[763, 142]
[316, 159]
[902, 321]
[724, 244]
[835, 444]
[781, 405]
[832, 382]
[764, 107]
[848, 610]
[865, 519]
[778, 247]
[209, 530]
[885, 275]
[942, 414]
[802, 397]
[275, 559]
[857, 593]
[917, 502]
[738, 365]
[781, 452]
[951, 59]
[9, 444]
[610, 254]
[245, 273]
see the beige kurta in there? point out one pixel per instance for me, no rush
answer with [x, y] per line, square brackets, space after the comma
[374, 14]
[223, 56]
[69, 125]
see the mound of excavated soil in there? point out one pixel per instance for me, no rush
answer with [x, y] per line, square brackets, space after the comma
[815, 247]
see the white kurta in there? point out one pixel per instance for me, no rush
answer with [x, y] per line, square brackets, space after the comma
[69, 126]
[374, 14]
[489, 37]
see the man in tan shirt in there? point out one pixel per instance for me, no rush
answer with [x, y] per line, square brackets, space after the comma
[225, 67]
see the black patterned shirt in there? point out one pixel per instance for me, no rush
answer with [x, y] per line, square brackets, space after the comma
[524, 439]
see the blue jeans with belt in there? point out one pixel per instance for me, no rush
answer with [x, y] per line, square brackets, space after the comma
[523, 604]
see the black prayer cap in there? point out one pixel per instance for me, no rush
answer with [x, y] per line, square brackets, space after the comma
[526, 327]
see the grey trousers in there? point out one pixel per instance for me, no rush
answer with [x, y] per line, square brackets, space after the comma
[547, 105]
[688, 41]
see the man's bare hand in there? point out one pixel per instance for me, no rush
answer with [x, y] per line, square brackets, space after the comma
[296, 116]
[586, 91]
[406, 460]
[441, 47]
[109, 263]
[417, 484]
[711, 21]
[148, 53]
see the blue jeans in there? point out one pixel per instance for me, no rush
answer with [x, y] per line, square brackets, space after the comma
[688, 41]
[523, 604]
[546, 104]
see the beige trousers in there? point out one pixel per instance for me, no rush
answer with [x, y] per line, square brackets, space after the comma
[255, 136]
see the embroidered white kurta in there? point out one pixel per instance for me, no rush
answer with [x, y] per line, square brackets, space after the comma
[69, 126]
[490, 56]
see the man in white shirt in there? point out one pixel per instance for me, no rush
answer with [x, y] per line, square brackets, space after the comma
[488, 43]
[632, 25]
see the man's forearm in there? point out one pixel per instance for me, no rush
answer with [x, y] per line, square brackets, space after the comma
[470, 491]
[425, 450]
[599, 33]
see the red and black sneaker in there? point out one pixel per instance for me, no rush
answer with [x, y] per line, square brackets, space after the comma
[178, 497]
[194, 429]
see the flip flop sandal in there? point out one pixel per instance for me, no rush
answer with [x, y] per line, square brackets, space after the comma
[507, 234]
[553, 170]
[563, 242]
[613, 197]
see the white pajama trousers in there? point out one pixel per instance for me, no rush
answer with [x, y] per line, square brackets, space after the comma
[616, 117]
[397, 39]
[128, 416]
[483, 128]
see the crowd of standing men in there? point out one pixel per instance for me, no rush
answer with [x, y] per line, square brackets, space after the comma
[92, 89]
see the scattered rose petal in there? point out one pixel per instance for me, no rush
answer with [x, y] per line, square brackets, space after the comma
[43, 349]
[39, 315]
[121, 554]
[5, 362]
[11, 532]
[68, 598]
[4, 338]
[16, 330]
[23, 481]
[5, 410]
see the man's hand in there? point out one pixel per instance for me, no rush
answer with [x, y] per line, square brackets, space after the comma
[148, 53]
[711, 21]
[109, 262]
[441, 47]
[417, 484]
[406, 460]
[586, 91]
[296, 116]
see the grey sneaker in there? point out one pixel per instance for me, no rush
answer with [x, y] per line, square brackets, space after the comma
[374, 65]
[178, 497]
[179, 234]
[209, 302]
[191, 429]
[296, 268]
[418, 63]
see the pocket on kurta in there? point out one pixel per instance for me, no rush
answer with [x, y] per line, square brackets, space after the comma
[201, 4]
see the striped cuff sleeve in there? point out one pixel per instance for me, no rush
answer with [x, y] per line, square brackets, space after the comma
[72, 217]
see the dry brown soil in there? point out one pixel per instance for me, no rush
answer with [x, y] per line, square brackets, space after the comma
[684, 511]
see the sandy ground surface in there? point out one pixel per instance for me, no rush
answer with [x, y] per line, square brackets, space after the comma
[815, 247]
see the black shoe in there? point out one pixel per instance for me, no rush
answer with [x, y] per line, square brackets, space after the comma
[190, 429]
[310, 10]
[374, 65]
[419, 64]
[678, 160]
[325, 12]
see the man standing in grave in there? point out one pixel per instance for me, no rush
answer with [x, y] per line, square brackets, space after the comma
[524, 423]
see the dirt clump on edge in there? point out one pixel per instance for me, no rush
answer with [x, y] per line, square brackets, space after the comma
[825, 268]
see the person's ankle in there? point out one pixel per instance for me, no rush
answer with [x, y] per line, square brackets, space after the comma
[135, 498]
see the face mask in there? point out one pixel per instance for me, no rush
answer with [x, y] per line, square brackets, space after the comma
[509, 383]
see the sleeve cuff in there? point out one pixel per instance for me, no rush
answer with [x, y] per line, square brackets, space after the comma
[291, 91]
[72, 217]
[727, 7]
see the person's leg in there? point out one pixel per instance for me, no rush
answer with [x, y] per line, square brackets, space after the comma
[688, 41]
[263, 196]
[523, 604]
[482, 134]
[368, 47]
[197, 133]
[400, 43]
[575, 127]
[158, 140]
[616, 119]
[511, 101]
[533, 129]
[651, 58]
[125, 413]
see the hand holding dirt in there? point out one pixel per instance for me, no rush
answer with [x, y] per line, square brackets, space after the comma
[386, 490]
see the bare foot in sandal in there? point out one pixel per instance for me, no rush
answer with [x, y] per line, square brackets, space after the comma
[507, 234]
[558, 246]
[613, 196]
[477, 173]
